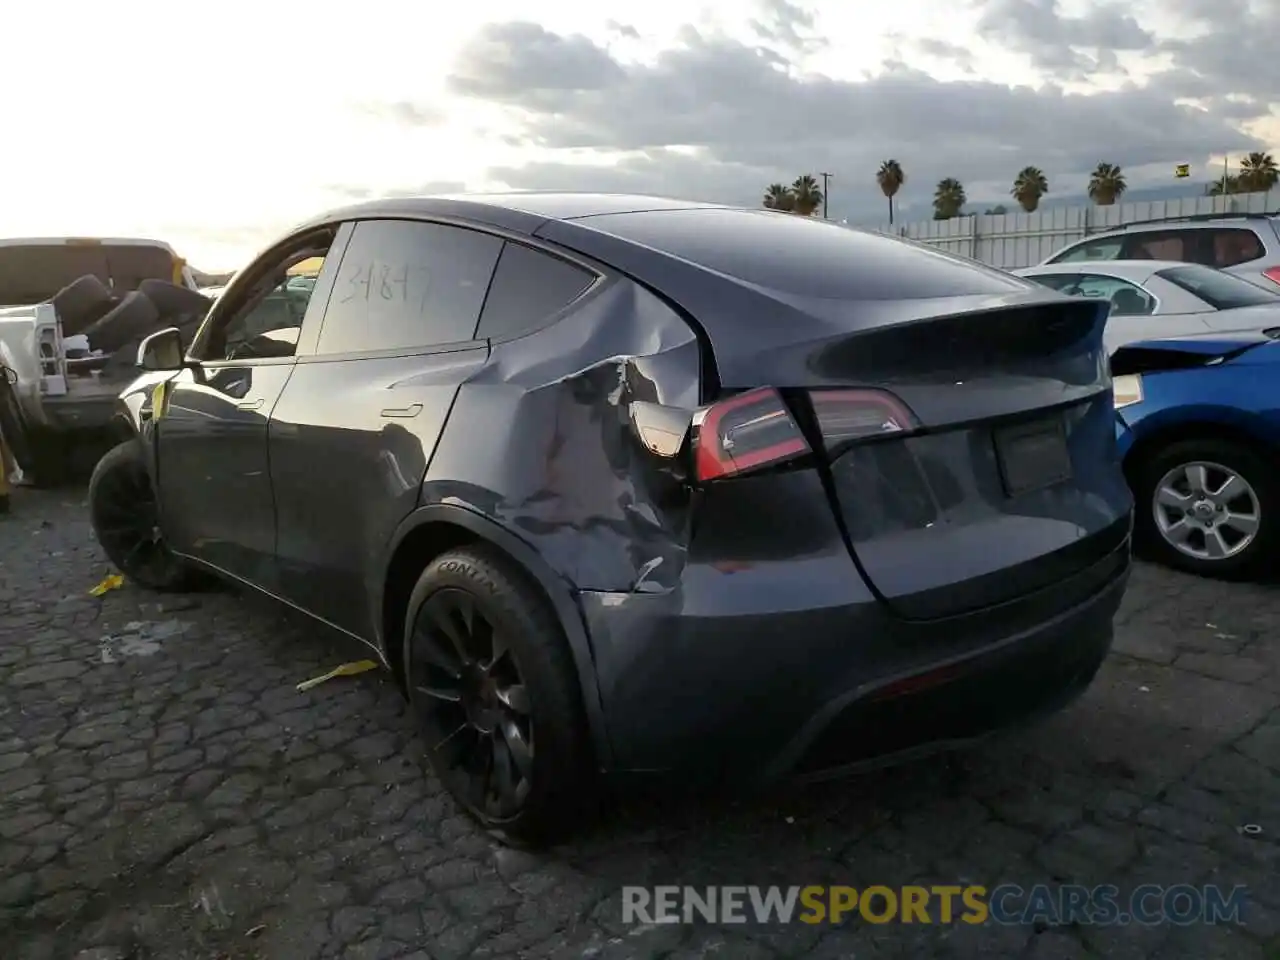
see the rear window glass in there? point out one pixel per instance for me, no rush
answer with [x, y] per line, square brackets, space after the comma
[34, 273]
[1164, 245]
[1220, 290]
[798, 255]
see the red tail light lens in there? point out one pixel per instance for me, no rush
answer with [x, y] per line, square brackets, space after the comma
[846, 416]
[1272, 274]
[744, 433]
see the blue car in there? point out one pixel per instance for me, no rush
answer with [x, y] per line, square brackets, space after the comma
[1198, 432]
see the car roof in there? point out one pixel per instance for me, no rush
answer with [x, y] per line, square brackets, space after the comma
[1148, 226]
[1120, 268]
[519, 212]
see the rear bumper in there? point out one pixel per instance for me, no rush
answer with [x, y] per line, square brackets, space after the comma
[837, 686]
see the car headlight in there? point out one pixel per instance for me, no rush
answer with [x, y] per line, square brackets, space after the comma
[1127, 389]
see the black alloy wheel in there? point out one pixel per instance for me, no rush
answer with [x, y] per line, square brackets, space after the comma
[126, 521]
[473, 705]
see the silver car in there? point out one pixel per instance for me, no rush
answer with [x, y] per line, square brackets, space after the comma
[1155, 299]
[1247, 245]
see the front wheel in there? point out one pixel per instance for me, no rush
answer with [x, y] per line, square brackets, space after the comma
[1209, 507]
[493, 686]
[125, 517]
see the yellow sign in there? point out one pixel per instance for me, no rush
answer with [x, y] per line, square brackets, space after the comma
[1182, 170]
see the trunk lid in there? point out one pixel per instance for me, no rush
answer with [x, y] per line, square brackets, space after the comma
[1011, 482]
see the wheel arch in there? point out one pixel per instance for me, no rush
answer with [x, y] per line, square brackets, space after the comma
[436, 528]
[1148, 442]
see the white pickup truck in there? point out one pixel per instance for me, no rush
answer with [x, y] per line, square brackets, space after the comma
[72, 311]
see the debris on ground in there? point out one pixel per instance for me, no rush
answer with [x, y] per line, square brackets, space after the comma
[112, 582]
[346, 670]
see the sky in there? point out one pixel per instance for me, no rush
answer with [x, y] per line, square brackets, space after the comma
[216, 127]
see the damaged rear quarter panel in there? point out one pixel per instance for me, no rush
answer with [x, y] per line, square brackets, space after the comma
[539, 440]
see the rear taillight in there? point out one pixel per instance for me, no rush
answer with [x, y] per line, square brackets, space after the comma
[1272, 274]
[846, 416]
[756, 430]
[746, 432]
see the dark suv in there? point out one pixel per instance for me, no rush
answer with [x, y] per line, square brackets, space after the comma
[636, 486]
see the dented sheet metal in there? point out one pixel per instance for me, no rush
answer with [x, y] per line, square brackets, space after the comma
[576, 482]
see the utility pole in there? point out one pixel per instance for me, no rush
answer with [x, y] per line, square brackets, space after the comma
[826, 177]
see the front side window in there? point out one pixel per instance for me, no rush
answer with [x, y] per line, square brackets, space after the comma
[1127, 299]
[265, 318]
[1219, 290]
[1056, 281]
[407, 285]
[1106, 248]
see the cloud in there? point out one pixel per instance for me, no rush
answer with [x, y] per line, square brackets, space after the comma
[406, 113]
[945, 50]
[717, 118]
[1070, 47]
[1232, 51]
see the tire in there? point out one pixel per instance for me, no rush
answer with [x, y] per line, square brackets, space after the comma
[527, 695]
[81, 302]
[134, 318]
[172, 300]
[124, 515]
[1248, 546]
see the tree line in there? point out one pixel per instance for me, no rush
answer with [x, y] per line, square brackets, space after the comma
[1257, 173]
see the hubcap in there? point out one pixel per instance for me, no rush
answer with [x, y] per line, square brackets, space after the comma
[470, 697]
[1206, 511]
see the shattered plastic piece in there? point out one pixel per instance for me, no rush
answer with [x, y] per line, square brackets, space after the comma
[113, 582]
[346, 670]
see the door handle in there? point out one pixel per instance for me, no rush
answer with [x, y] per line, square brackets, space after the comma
[249, 404]
[412, 410]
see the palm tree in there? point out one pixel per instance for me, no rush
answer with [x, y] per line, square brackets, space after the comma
[891, 178]
[1258, 173]
[949, 199]
[1107, 184]
[779, 197]
[1028, 187]
[1228, 183]
[807, 193]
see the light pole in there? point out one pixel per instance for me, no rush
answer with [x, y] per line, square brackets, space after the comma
[826, 177]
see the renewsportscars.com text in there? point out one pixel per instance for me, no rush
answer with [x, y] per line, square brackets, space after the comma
[1009, 904]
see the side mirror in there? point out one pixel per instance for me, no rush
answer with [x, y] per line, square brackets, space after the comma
[162, 350]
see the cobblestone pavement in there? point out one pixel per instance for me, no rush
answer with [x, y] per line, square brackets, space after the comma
[165, 792]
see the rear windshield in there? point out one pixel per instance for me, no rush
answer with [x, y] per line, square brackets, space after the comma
[34, 273]
[798, 255]
[1220, 290]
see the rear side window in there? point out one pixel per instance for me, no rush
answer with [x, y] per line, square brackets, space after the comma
[1105, 248]
[405, 285]
[528, 287]
[1220, 290]
[1233, 246]
[1184, 245]
[806, 257]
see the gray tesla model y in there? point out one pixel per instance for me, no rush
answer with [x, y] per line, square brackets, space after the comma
[622, 485]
